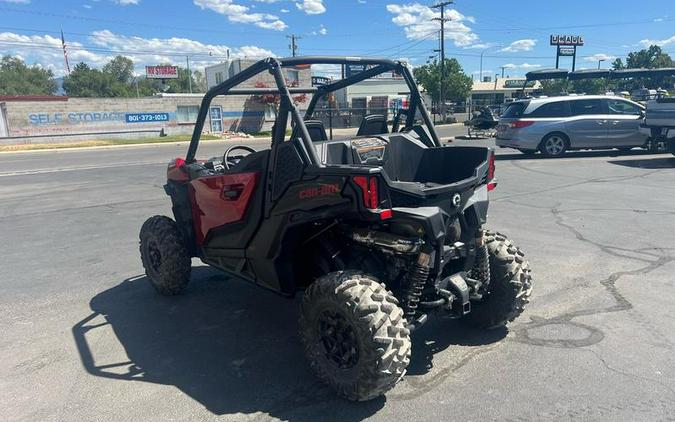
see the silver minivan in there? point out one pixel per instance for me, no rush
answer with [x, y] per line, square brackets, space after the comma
[557, 124]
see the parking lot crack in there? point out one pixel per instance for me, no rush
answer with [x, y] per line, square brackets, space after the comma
[527, 333]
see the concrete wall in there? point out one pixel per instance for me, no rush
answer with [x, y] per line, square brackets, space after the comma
[62, 119]
[105, 118]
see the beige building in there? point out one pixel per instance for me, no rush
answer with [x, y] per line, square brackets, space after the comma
[499, 91]
[43, 119]
[61, 119]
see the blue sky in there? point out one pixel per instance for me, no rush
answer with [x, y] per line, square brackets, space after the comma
[512, 34]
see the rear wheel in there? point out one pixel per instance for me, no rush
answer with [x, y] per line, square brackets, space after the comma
[554, 145]
[354, 334]
[165, 258]
[509, 286]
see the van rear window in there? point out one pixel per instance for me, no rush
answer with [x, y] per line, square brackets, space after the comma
[515, 110]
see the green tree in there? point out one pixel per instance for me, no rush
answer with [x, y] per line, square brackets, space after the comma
[456, 84]
[84, 81]
[199, 79]
[618, 64]
[554, 87]
[121, 69]
[16, 78]
[590, 86]
[650, 58]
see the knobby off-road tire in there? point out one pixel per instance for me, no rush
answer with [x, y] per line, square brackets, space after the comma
[510, 285]
[354, 334]
[165, 258]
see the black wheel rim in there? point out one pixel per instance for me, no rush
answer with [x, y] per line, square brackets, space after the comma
[154, 256]
[338, 339]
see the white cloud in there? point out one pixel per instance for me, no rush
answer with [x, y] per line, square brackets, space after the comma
[660, 43]
[104, 45]
[361, 1]
[284, 10]
[598, 57]
[311, 7]
[520, 45]
[524, 66]
[322, 31]
[240, 14]
[87, 6]
[417, 23]
[126, 2]
[15, 1]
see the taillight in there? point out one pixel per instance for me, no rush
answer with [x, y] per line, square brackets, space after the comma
[519, 124]
[491, 184]
[370, 195]
[368, 187]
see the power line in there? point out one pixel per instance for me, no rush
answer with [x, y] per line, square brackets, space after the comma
[442, 20]
[293, 46]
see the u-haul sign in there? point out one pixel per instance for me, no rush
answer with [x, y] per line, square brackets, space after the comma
[577, 40]
[161, 72]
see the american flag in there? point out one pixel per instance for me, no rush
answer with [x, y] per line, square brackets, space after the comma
[65, 52]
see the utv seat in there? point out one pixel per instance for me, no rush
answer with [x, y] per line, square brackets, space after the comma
[317, 132]
[373, 124]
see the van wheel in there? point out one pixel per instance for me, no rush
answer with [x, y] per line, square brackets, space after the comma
[554, 145]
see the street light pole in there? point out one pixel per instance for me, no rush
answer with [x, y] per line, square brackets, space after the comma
[481, 59]
[443, 20]
[600, 61]
[187, 58]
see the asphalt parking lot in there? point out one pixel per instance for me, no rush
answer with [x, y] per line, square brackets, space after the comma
[84, 336]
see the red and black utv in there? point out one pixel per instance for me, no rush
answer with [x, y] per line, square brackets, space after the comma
[378, 230]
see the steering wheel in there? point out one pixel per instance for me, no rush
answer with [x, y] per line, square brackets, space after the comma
[226, 156]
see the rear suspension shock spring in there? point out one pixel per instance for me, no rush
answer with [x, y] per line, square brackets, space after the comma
[417, 278]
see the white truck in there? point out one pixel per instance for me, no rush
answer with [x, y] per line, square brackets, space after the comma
[659, 124]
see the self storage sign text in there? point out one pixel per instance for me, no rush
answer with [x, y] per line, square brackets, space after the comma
[73, 118]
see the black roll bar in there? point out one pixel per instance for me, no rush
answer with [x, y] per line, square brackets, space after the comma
[274, 66]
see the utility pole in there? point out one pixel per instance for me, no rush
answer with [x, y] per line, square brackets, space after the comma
[442, 19]
[294, 44]
[502, 68]
[187, 58]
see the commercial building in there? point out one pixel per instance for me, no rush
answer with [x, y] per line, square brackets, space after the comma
[500, 91]
[384, 91]
[43, 119]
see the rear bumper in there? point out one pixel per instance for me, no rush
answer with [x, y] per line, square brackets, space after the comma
[518, 143]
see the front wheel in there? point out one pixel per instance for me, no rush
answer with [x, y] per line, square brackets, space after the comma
[554, 145]
[509, 286]
[165, 258]
[354, 334]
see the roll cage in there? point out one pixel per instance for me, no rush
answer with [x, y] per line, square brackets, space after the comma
[286, 106]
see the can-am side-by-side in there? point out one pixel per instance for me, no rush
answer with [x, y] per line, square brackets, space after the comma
[379, 230]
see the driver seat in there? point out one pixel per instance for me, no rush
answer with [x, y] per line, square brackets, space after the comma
[317, 132]
[373, 124]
